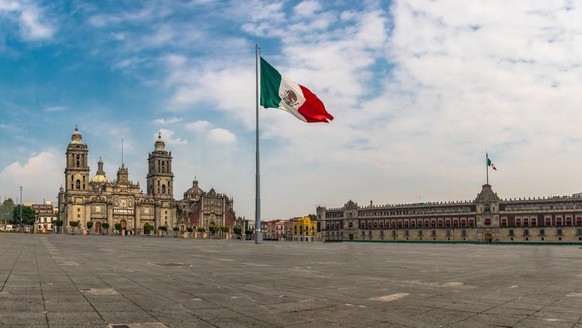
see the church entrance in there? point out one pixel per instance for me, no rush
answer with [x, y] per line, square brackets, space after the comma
[98, 228]
[123, 227]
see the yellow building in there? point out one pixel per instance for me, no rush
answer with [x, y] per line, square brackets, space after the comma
[304, 229]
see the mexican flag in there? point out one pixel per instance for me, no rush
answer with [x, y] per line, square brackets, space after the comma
[277, 91]
[489, 163]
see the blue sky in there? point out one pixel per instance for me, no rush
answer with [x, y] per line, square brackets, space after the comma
[419, 89]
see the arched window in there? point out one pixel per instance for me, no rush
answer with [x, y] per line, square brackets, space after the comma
[78, 162]
[163, 189]
[78, 184]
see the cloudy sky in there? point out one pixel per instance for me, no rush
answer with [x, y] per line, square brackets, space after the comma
[420, 90]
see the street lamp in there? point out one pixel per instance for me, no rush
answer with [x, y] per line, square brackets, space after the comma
[21, 226]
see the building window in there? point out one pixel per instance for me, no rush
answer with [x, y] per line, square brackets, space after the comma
[511, 233]
[542, 232]
[504, 222]
[579, 232]
[559, 232]
[548, 221]
[487, 221]
[420, 233]
[526, 232]
[448, 232]
[434, 233]
[463, 232]
[406, 233]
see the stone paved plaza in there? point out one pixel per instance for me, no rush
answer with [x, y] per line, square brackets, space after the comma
[112, 281]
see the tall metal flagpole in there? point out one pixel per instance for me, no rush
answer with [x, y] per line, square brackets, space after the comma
[258, 233]
[487, 166]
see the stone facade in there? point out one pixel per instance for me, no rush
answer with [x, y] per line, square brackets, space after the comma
[486, 219]
[200, 209]
[101, 200]
[45, 215]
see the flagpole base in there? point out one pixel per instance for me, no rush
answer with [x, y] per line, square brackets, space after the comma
[258, 237]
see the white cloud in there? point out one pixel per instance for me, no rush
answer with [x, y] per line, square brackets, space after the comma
[168, 121]
[51, 109]
[307, 8]
[168, 137]
[221, 136]
[36, 176]
[198, 126]
[33, 25]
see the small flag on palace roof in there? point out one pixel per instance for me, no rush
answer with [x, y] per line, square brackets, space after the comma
[277, 91]
[489, 163]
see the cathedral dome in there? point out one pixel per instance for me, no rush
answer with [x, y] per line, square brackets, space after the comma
[100, 176]
[193, 193]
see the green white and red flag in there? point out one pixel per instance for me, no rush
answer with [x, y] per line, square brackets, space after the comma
[277, 91]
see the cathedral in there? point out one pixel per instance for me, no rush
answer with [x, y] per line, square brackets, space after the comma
[100, 200]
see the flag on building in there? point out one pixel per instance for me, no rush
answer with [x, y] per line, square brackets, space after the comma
[489, 163]
[277, 91]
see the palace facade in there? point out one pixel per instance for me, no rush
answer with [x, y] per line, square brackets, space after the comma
[101, 200]
[485, 219]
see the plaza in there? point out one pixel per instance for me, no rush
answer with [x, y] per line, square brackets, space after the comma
[147, 281]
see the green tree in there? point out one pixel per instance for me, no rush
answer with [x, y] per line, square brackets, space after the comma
[74, 224]
[105, 226]
[58, 223]
[28, 215]
[118, 226]
[201, 230]
[89, 225]
[190, 229]
[148, 228]
[237, 230]
[6, 210]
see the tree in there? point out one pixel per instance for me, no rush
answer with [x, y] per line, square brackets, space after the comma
[74, 224]
[6, 210]
[201, 230]
[28, 215]
[237, 230]
[148, 228]
[58, 223]
[176, 229]
[118, 226]
[106, 227]
[190, 229]
[89, 225]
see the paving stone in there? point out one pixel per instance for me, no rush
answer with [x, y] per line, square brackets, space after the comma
[144, 282]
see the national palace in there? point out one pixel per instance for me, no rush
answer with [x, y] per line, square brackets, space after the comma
[100, 200]
[488, 218]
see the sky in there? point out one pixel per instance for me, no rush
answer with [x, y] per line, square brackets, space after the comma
[420, 91]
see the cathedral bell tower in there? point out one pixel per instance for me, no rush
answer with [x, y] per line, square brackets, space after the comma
[160, 179]
[77, 168]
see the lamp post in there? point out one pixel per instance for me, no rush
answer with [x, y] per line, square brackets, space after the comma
[21, 226]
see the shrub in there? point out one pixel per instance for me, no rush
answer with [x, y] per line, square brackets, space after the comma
[190, 229]
[89, 225]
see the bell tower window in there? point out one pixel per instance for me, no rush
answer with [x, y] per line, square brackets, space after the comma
[78, 184]
[78, 162]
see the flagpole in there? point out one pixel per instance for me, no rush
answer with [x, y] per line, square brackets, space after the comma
[258, 233]
[487, 166]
